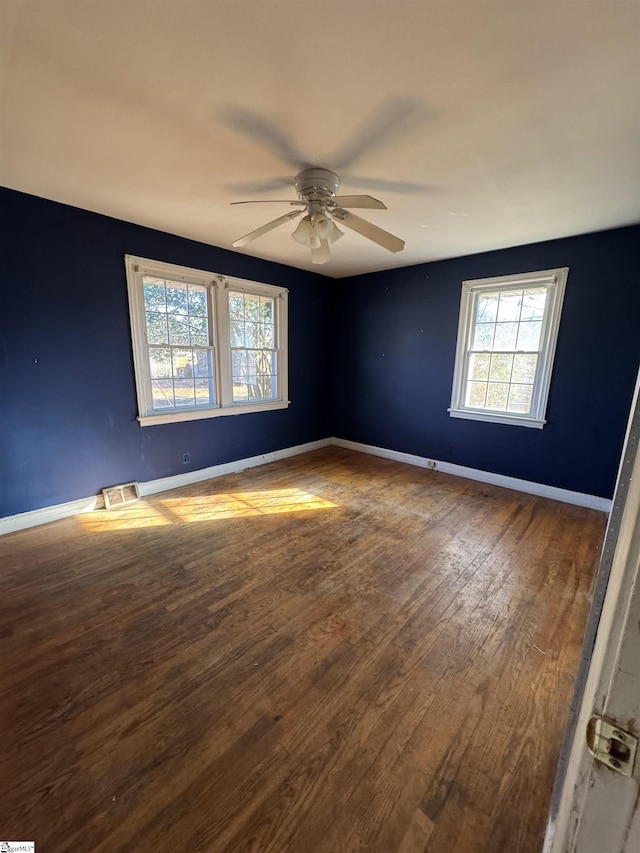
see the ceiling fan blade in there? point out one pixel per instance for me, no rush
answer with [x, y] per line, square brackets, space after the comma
[270, 201]
[369, 230]
[359, 201]
[264, 229]
[322, 254]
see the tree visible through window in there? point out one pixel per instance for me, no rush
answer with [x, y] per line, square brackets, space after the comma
[181, 353]
[506, 342]
[253, 352]
[205, 344]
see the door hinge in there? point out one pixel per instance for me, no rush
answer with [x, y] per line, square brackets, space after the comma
[612, 745]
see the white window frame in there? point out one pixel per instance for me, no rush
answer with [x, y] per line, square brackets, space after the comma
[218, 287]
[554, 281]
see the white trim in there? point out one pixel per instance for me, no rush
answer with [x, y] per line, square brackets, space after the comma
[555, 281]
[178, 480]
[223, 367]
[23, 520]
[491, 417]
[35, 517]
[246, 286]
[200, 414]
[527, 486]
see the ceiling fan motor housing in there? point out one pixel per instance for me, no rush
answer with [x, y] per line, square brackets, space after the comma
[316, 185]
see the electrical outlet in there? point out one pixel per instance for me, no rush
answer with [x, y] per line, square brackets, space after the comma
[431, 464]
[186, 458]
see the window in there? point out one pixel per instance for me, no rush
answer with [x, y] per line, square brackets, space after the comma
[205, 344]
[506, 342]
[253, 353]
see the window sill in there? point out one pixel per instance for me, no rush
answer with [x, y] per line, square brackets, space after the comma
[497, 418]
[201, 414]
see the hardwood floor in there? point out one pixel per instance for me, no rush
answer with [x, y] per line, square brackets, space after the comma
[331, 653]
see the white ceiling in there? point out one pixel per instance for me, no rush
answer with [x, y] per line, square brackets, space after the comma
[510, 122]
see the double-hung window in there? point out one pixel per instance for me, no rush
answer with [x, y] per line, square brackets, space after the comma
[507, 335]
[204, 344]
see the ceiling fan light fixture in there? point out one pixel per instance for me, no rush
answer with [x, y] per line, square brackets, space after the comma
[305, 235]
[322, 254]
[326, 229]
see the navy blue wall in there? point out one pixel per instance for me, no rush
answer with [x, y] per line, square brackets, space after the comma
[396, 334]
[67, 392]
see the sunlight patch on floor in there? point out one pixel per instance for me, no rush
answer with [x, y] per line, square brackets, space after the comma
[244, 504]
[203, 508]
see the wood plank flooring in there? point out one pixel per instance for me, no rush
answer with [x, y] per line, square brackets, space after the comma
[330, 653]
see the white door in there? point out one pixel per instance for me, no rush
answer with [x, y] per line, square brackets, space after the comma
[595, 809]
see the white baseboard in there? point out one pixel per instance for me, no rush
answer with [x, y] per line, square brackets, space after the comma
[531, 488]
[151, 487]
[11, 523]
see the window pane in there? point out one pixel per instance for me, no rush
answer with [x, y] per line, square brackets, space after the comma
[177, 298]
[236, 330]
[505, 338]
[205, 395]
[509, 309]
[476, 394]
[177, 314]
[251, 369]
[178, 329]
[253, 337]
[487, 308]
[501, 368]
[157, 329]
[240, 392]
[520, 398]
[266, 309]
[154, 298]
[184, 392]
[483, 336]
[197, 301]
[497, 395]
[251, 308]
[533, 304]
[524, 368]
[180, 357]
[254, 375]
[239, 366]
[266, 336]
[160, 362]
[529, 336]
[162, 390]
[198, 331]
[202, 362]
[479, 366]
[265, 387]
[251, 334]
[236, 306]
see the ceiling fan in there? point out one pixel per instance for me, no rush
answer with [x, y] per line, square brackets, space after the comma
[317, 230]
